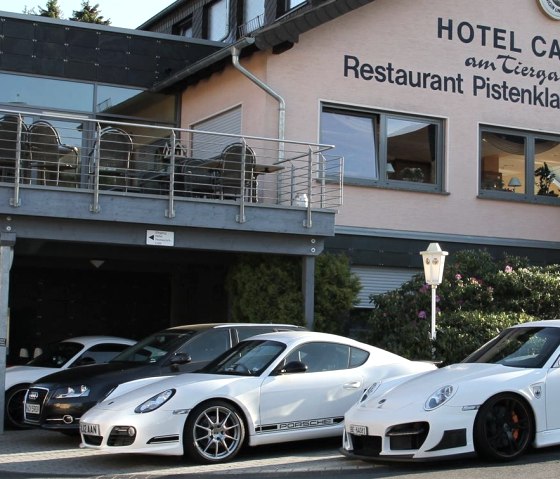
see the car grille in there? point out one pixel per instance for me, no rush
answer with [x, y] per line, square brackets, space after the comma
[366, 445]
[35, 397]
[409, 436]
[92, 440]
[120, 436]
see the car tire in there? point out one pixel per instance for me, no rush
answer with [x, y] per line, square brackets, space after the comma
[504, 427]
[214, 432]
[13, 414]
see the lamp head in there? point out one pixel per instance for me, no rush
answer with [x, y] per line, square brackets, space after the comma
[434, 260]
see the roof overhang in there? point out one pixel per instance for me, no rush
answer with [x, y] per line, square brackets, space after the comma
[278, 36]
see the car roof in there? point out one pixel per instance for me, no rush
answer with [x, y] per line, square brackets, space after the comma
[547, 323]
[304, 335]
[87, 340]
[205, 326]
[292, 338]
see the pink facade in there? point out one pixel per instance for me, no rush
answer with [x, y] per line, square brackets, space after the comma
[479, 63]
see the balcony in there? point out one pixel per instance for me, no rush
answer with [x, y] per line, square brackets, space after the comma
[64, 175]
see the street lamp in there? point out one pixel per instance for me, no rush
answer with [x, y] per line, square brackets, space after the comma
[433, 259]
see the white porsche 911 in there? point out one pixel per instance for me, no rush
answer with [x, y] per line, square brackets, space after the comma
[498, 402]
[271, 388]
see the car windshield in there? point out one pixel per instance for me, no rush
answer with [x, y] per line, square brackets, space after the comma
[247, 358]
[153, 348]
[528, 347]
[56, 355]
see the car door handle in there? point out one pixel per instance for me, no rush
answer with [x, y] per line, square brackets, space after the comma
[353, 385]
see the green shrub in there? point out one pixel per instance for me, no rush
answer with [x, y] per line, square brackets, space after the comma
[265, 288]
[479, 296]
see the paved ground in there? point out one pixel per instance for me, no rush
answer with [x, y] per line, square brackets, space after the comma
[43, 454]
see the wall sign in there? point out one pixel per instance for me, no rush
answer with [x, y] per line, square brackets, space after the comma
[514, 68]
[551, 8]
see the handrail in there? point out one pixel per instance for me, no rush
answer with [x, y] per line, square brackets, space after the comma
[177, 165]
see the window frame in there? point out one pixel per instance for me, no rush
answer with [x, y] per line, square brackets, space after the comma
[380, 118]
[207, 16]
[525, 196]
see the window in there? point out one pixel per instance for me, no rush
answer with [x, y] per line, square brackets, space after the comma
[519, 165]
[185, 29]
[294, 3]
[216, 16]
[385, 149]
[326, 356]
[100, 353]
[285, 6]
[253, 13]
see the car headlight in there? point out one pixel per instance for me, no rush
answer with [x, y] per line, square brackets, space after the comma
[77, 391]
[155, 401]
[369, 391]
[439, 397]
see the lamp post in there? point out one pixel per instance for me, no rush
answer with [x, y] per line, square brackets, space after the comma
[433, 259]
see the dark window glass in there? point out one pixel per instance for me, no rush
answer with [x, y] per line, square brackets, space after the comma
[519, 347]
[153, 348]
[320, 356]
[519, 165]
[100, 353]
[207, 345]
[253, 12]
[25, 91]
[354, 138]
[385, 149]
[56, 355]
[217, 20]
[358, 357]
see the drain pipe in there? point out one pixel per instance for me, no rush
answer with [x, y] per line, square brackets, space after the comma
[235, 51]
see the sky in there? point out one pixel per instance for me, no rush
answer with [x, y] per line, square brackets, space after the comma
[122, 13]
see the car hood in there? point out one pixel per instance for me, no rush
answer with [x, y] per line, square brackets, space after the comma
[472, 383]
[190, 389]
[106, 372]
[25, 374]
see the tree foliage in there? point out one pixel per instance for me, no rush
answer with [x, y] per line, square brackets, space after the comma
[89, 14]
[264, 288]
[478, 297]
[51, 10]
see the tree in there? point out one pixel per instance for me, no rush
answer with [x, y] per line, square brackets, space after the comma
[89, 14]
[51, 10]
[265, 288]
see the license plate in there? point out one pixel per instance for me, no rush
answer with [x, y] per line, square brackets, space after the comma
[358, 430]
[32, 408]
[91, 429]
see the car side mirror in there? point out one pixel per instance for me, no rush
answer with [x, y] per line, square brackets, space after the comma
[180, 358]
[291, 368]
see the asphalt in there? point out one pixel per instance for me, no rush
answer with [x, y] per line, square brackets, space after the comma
[34, 453]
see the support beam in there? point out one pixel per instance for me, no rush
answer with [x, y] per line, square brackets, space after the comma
[7, 241]
[308, 289]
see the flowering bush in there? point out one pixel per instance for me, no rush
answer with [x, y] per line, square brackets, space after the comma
[479, 296]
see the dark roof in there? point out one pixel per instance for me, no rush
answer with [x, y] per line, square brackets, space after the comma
[90, 52]
[279, 35]
[289, 27]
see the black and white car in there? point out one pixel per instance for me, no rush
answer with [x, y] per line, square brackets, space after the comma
[55, 357]
[57, 401]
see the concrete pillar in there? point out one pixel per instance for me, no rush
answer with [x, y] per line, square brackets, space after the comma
[7, 241]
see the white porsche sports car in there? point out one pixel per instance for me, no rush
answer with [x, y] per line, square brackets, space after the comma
[271, 388]
[498, 402]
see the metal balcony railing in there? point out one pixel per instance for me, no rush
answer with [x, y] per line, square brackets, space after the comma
[133, 159]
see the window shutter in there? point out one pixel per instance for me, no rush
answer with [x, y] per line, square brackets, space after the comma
[207, 146]
[377, 280]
